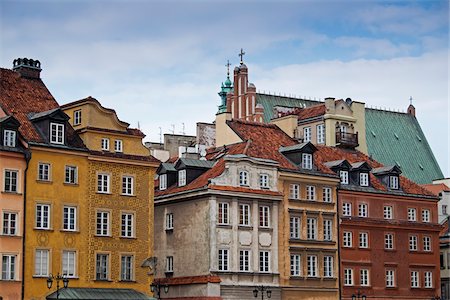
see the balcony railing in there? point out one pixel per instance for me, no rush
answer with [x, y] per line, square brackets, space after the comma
[347, 140]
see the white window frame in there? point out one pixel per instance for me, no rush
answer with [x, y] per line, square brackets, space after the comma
[320, 132]
[364, 179]
[428, 279]
[348, 277]
[103, 183]
[363, 210]
[243, 178]
[264, 261]
[9, 138]
[127, 185]
[244, 214]
[264, 181]
[328, 266]
[102, 268]
[364, 277]
[427, 243]
[41, 262]
[127, 225]
[307, 161]
[9, 262]
[311, 228]
[44, 171]
[310, 193]
[71, 175]
[77, 117]
[69, 264]
[294, 225]
[307, 134]
[414, 279]
[244, 260]
[182, 177]
[343, 174]
[169, 221]
[126, 267]
[389, 241]
[364, 240]
[388, 212]
[426, 215]
[162, 182]
[413, 243]
[296, 264]
[390, 278]
[347, 209]
[56, 133]
[327, 194]
[118, 146]
[102, 223]
[223, 260]
[264, 216]
[41, 218]
[312, 266]
[105, 144]
[394, 182]
[412, 214]
[294, 191]
[347, 239]
[69, 218]
[169, 264]
[223, 217]
[327, 229]
[10, 222]
[11, 181]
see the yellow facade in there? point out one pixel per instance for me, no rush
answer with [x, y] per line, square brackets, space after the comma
[303, 286]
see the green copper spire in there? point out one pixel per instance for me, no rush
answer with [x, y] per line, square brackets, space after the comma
[224, 89]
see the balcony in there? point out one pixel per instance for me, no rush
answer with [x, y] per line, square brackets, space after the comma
[347, 140]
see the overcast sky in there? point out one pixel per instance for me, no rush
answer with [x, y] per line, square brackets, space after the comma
[162, 63]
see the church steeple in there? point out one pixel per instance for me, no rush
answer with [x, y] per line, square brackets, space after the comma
[224, 89]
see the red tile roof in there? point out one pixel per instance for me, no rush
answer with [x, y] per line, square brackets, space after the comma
[307, 112]
[148, 158]
[20, 96]
[130, 131]
[436, 188]
[244, 190]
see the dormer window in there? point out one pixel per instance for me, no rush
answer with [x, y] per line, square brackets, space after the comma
[105, 144]
[118, 146]
[364, 179]
[163, 182]
[9, 138]
[243, 178]
[307, 161]
[181, 177]
[344, 176]
[56, 133]
[393, 182]
[77, 117]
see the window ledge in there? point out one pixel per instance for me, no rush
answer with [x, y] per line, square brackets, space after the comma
[71, 184]
[128, 237]
[11, 193]
[44, 181]
[245, 227]
[228, 226]
[69, 231]
[104, 193]
[103, 280]
[43, 229]
[102, 236]
[127, 281]
[261, 228]
[128, 195]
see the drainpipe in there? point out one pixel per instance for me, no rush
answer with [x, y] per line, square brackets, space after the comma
[338, 241]
[27, 159]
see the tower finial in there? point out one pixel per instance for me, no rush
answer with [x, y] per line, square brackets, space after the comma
[410, 100]
[228, 67]
[241, 54]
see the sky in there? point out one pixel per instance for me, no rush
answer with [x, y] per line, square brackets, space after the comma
[160, 64]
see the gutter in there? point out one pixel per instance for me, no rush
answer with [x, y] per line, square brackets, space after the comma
[27, 159]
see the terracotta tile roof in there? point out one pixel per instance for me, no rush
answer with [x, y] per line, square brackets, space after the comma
[20, 96]
[148, 158]
[130, 131]
[189, 280]
[436, 188]
[307, 112]
[244, 190]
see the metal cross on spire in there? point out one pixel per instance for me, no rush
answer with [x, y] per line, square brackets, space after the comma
[228, 67]
[242, 55]
[410, 100]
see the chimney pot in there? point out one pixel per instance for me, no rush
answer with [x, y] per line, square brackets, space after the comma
[28, 68]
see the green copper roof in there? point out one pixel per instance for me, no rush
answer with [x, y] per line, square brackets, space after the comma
[99, 294]
[269, 101]
[396, 138]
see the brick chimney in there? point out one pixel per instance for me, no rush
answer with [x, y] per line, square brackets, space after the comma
[28, 68]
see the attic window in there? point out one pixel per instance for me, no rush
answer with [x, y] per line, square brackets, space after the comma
[393, 182]
[9, 138]
[243, 178]
[182, 178]
[56, 133]
[77, 117]
[307, 161]
[344, 176]
[363, 179]
[163, 182]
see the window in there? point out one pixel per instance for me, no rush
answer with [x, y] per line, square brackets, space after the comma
[41, 259]
[312, 265]
[412, 216]
[414, 279]
[264, 261]
[346, 209]
[295, 265]
[118, 146]
[169, 221]
[307, 161]
[310, 192]
[390, 278]
[388, 212]
[181, 177]
[169, 264]
[363, 179]
[105, 144]
[328, 266]
[425, 215]
[389, 241]
[307, 134]
[264, 216]
[127, 225]
[126, 268]
[9, 223]
[223, 213]
[56, 133]
[69, 218]
[69, 263]
[8, 267]
[102, 223]
[294, 190]
[326, 194]
[348, 277]
[9, 138]
[295, 227]
[244, 214]
[243, 178]
[244, 260]
[363, 240]
[393, 182]
[327, 230]
[43, 216]
[71, 175]
[311, 228]
[344, 177]
[223, 259]
[127, 185]
[320, 133]
[413, 243]
[11, 181]
[362, 210]
[77, 117]
[102, 267]
[264, 181]
[444, 209]
[103, 183]
[163, 182]
[364, 277]
[44, 172]
[427, 243]
[348, 239]
[428, 279]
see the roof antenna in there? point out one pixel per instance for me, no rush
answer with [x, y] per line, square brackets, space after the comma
[183, 132]
[139, 126]
[160, 135]
[173, 128]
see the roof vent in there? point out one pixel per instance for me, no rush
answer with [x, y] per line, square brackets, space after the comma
[28, 68]
[419, 138]
[373, 133]
[420, 166]
[396, 136]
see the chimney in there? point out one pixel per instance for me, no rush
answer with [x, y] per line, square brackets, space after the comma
[411, 110]
[27, 68]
